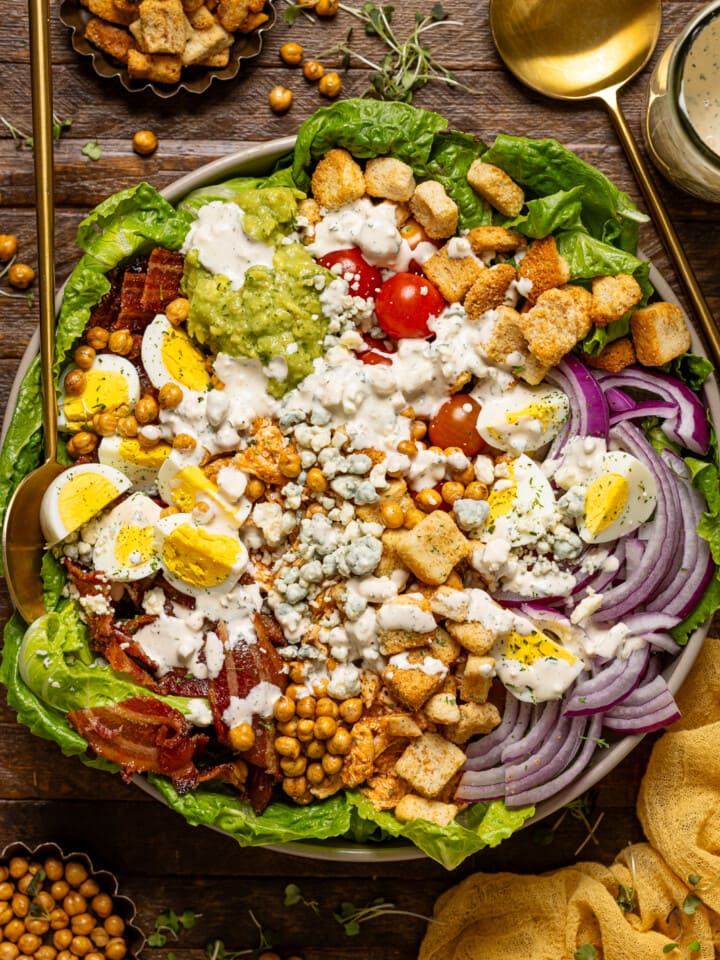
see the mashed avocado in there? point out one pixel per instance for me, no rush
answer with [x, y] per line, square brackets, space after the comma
[277, 311]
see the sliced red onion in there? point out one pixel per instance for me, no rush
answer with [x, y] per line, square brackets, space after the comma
[486, 752]
[638, 711]
[585, 394]
[634, 550]
[642, 623]
[535, 795]
[545, 717]
[550, 760]
[641, 410]
[656, 720]
[611, 684]
[601, 579]
[664, 642]
[618, 401]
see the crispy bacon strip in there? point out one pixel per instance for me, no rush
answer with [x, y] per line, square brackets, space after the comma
[88, 583]
[143, 735]
[165, 270]
[177, 683]
[106, 312]
[133, 316]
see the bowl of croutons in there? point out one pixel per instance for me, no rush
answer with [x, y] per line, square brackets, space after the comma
[166, 46]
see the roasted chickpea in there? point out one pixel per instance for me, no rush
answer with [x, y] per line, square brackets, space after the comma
[315, 774]
[291, 53]
[144, 142]
[183, 441]
[14, 930]
[170, 396]
[418, 429]
[332, 764]
[305, 730]
[297, 673]
[330, 85]
[452, 491]
[280, 99]
[296, 789]
[102, 905]
[20, 904]
[391, 514]
[105, 425]
[408, 448]
[93, 956]
[116, 949]
[305, 707]
[428, 499]
[62, 938]
[326, 8]
[120, 342]
[66, 955]
[293, 768]
[284, 709]
[75, 382]
[316, 480]
[8, 246]
[149, 437]
[80, 946]
[59, 889]
[97, 338]
[114, 925]
[340, 743]
[315, 749]
[177, 311]
[476, 491]
[127, 427]
[7, 889]
[288, 728]
[351, 710]
[287, 747]
[4, 874]
[242, 737]
[83, 923]
[28, 943]
[295, 691]
[255, 489]
[289, 463]
[8, 951]
[100, 937]
[58, 919]
[146, 409]
[37, 926]
[20, 275]
[74, 903]
[413, 516]
[325, 707]
[325, 728]
[313, 70]
[46, 952]
[84, 356]
[44, 900]
[82, 444]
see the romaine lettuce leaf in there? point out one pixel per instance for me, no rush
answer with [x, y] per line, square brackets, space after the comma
[545, 215]
[449, 162]
[228, 190]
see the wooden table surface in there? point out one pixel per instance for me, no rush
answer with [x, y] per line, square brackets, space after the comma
[161, 861]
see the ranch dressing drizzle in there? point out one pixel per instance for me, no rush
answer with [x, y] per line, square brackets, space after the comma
[700, 91]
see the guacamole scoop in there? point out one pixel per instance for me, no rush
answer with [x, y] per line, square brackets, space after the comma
[268, 309]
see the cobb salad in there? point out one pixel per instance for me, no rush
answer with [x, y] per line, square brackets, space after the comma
[390, 491]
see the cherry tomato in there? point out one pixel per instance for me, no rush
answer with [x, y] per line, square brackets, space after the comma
[375, 343]
[405, 303]
[374, 358]
[364, 279]
[454, 425]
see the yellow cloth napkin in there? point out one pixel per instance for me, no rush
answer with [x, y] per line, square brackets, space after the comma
[510, 917]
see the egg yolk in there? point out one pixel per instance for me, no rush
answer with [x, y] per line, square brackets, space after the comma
[199, 558]
[526, 648]
[134, 545]
[188, 483]
[604, 501]
[542, 411]
[183, 361]
[83, 497]
[501, 501]
[131, 451]
[105, 392]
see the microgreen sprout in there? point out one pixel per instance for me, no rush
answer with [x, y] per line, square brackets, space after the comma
[350, 916]
[293, 896]
[92, 149]
[578, 809]
[293, 9]
[170, 924]
[216, 949]
[23, 139]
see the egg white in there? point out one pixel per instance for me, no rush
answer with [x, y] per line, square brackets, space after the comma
[522, 507]
[76, 496]
[125, 546]
[524, 419]
[170, 356]
[112, 386]
[139, 464]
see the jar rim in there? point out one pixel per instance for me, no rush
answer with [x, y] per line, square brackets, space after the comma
[676, 73]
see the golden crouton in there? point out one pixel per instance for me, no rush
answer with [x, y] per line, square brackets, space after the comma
[358, 765]
[337, 180]
[202, 44]
[613, 297]
[660, 333]
[116, 11]
[390, 559]
[411, 685]
[486, 240]
[433, 209]
[190, 6]
[201, 18]
[453, 276]
[475, 718]
[232, 13]
[474, 637]
[442, 708]
[477, 678]
[495, 186]
[559, 319]
[449, 602]
[309, 210]
[544, 267]
[444, 647]
[389, 179]
[163, 26]
[216, 60]
[432, 548]
[508, 345]
[489, 290]
[111, 40]
[411, 807]
[159, 68]
[252, 21]
[429, 763]
[395, 641]
[614, 357]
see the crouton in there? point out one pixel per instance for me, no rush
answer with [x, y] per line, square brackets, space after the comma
[488, 240]
[444, 647]
[613, 297]
[508, 345]
[450, 603]
[200, 18]
[190, 6]
[232, 13]
[429, 763]
[411, 807]
[544, 267]
[390, 560]
[216, 60]
[337, 180]
[411, 685]
[400, 725]
[475, 718]
[489, 290]
[559, 319]
[614, 357]
[477, 678]
[252, 21]
[474, 637]
[453, 276]
[432, 548]
[113, 41]
[202, 44]
[163, 26]
[309, 210]
[115, 11]
[495, 186]
[402, 214]
[389, 179]
[442, 708]
[159, 68]
[660, 333]
[433, 209]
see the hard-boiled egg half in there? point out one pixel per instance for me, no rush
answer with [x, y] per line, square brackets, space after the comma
[522, 506]
[533, 666]
[76, 496]
[141, 465]
[618, 499]
[170, 356]
[125, 545]
[524, 419]
[182, 484]
[111, 385]
[199, 559]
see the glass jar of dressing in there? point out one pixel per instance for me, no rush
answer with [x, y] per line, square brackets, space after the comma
[682, 116]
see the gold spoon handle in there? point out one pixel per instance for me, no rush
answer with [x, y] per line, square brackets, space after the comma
[41, 68]
[664, 226]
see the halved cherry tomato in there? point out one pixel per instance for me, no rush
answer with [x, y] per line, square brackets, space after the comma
[404, 305]
[374, 358]
[454, 425]
[363, 278]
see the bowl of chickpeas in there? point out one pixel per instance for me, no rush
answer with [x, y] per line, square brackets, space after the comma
[55, 906]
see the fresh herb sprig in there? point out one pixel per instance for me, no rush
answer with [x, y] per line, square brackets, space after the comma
[216, 949]
[293, 896]
[578, 809]
[169, 924]
[350, 917]
[23, 139]
[409, 64]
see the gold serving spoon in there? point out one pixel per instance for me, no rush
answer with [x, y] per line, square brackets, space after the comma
[579, 51]
[23, 541]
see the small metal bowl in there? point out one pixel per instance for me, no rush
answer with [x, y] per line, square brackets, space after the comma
[123, 906]
[247, 46]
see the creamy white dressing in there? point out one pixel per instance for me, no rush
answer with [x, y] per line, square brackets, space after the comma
[260, 702]
[700, 85]
[430, 666]
[222, 245]
[405, 616]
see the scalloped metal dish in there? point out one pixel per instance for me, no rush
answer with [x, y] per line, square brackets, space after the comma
[246, 47]
[257, 161]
